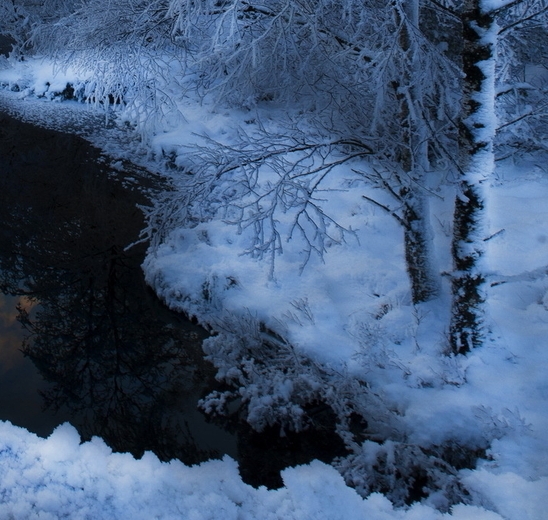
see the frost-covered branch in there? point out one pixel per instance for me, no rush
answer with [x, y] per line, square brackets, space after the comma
[274, 188]
[523, 20]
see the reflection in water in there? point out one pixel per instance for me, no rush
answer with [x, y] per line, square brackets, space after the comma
[19, 380]
[115, 362]
[11, 329]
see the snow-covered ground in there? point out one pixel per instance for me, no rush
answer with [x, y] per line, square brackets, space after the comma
[349, 313]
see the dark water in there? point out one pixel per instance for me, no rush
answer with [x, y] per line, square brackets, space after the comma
[82, 339]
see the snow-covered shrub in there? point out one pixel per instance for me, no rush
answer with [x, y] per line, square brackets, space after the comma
[276, 384]
[407, 473]
[272, 384]
[273, 381]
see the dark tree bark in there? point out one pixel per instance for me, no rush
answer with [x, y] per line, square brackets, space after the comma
[476, 161]
[418, 250]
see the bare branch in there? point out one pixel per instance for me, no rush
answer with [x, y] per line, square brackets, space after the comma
[505, 7]
[521, 21]
[517, 120]
[388, 210]
[447, 10]
[527, 276]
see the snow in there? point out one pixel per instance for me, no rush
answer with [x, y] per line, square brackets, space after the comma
[488, 6]
[349, 311]
[43, 79]
[59, 477]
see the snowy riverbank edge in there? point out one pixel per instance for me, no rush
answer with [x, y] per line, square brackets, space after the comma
[511, 482]
[60, 478]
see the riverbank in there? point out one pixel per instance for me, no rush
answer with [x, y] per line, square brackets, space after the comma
[344, 330]
[92, 268]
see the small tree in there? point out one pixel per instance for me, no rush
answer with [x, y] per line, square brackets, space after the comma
[370, 74]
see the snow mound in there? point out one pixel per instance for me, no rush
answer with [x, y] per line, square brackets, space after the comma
[58, 477]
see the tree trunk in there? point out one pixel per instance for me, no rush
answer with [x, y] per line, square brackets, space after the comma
[476, 164]
[417, 242]
[412, 156]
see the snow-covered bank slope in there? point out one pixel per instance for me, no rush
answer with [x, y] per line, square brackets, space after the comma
[350, 315]
[351, 312]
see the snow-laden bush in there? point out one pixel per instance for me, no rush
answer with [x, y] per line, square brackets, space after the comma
[276, 384]
[407, 473]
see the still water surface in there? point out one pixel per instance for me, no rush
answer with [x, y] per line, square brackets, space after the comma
[82, 338]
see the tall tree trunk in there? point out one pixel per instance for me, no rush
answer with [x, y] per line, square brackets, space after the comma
[412, 155]
[476, 162]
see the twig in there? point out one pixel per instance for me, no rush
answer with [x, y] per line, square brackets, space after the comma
[388, 210]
